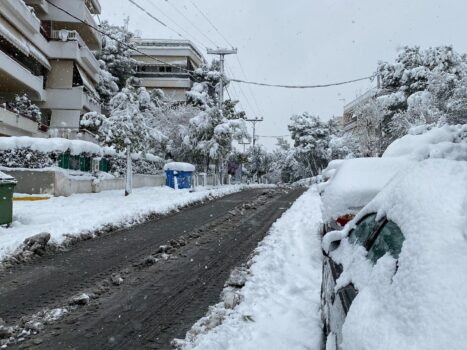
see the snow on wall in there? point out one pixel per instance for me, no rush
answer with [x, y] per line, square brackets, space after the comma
[50, 145]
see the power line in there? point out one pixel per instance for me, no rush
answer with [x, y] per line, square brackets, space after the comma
[117, 40]
[188, 36]
[249, 87]
[191, 71]
[274, 137]
[154, 17]
[301, 86]
[189, 21]
[212, 24]
[247, 100]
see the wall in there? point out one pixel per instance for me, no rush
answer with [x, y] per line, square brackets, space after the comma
[58, 183]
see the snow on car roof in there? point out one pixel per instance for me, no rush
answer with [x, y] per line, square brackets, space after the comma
[178, 166]
[354, 182]
[422, 304]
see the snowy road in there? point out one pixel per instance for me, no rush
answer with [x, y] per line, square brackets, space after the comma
[142, 295]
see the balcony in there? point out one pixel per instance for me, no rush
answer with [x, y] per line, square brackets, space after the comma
[40, 6]
[76, 98]
[12, 124]
[24, 19]
[69, 45]
[79, 9]
[18, 79]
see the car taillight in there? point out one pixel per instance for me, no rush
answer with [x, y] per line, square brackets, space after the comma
[344, 219]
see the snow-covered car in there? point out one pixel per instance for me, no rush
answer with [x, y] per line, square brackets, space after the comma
[394, 277]
[352, 183]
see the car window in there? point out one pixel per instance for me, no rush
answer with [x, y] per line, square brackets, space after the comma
[363, 230]
[388, 240]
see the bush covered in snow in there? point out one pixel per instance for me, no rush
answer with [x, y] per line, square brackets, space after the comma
[37, 153]
[22, 105]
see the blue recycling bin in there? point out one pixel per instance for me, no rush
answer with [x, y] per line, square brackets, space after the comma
[178, 175]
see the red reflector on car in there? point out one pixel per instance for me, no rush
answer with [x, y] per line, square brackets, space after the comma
[344, 219]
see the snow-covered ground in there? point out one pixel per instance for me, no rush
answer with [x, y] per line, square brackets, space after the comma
[81, 213]
[279, 308]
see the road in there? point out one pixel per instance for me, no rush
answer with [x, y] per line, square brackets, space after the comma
[148, 283]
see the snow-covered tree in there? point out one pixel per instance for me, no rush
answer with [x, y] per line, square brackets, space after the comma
[107, 86]
[205, 90]
[22, 105]
[115, 55]
[126, 129]
[311, 141]
[421, 87]
[209, 137]
[284, 167]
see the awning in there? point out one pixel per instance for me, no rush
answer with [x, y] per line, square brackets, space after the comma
[39, 56]
[10, 34]
[13, 36]
[87, 83]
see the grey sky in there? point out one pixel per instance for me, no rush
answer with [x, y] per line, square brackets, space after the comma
[302, 42]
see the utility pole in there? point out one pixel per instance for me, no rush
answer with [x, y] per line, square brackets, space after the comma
[241, 164]
[254, 121]
[244, 144]
[222, 53]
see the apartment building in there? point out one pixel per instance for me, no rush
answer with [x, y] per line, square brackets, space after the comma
[46, 54]
[349, 121]
[167, 66]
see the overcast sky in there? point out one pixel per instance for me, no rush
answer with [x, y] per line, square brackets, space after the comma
[300, 42]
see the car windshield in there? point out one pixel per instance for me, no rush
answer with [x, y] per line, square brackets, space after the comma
[389, 240]
[363, 230]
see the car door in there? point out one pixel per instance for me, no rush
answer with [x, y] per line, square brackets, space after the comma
[334, 306]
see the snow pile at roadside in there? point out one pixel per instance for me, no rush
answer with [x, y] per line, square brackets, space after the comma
[279, 308]
[446, 142]
[422, 304]
[354, 182]
[81, 213]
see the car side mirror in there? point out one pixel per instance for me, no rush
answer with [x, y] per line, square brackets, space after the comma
[331, 241]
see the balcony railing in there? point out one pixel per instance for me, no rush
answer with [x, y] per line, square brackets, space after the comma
[40, 124]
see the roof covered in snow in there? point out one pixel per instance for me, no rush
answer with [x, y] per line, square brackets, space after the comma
[354, 182]
[422, 304]
[177, 166]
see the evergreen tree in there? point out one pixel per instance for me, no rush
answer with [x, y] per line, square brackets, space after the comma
[116, 56]
[127, 128]
[311, 141]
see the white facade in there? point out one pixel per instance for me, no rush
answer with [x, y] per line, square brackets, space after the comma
[167, 66]
[46, 54]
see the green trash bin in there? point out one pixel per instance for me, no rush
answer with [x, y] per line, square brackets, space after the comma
[7, 186]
